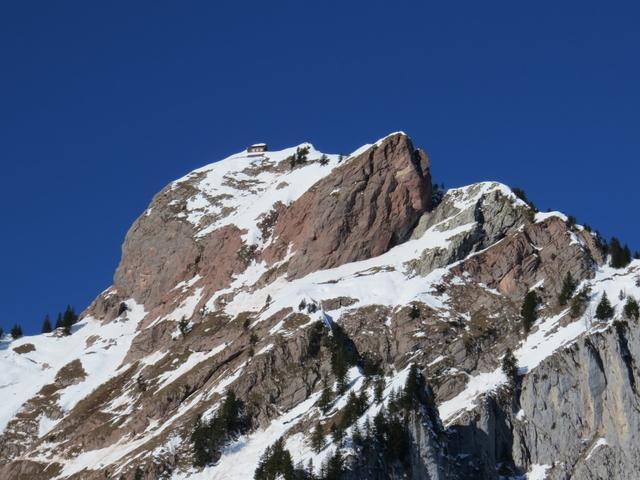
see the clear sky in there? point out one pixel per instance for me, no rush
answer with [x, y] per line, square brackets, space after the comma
[103, 103]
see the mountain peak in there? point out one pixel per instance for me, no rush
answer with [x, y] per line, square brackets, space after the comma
[320, 289]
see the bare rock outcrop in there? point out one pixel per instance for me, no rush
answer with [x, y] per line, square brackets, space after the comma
[541, 253]
[492, 212]
[365, 207]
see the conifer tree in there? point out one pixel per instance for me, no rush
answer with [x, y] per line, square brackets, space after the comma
[230, 412]
[340, 370]
[378, 390]
[317, 438]
[326, 397]
[16, 331]
[397, 443]
[510, 367]
[275, 463]
[337, 434]
[183, 326]
[59, 323]
[363, 402]
[202, 452]
[620, 256]
[66, 325]
[579, 301]
[520, 193]
[46, 324]
[69, 317]
[568, 288]
[529, 310]
[335, 466]
[1, 333]
[208, 438]
[631, 310]
[412, 388]
[380, 425]
[604, 310]
[356, 436]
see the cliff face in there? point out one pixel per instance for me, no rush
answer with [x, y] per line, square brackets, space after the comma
[361, 210]
[275, 268]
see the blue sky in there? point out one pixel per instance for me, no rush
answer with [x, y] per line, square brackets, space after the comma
[103, 103]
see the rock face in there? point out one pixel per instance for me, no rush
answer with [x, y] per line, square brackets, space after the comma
[294, 276]
[585, 402]
[364, 208]
[491, 210]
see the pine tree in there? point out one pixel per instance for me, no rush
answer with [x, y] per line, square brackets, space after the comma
[604, 310]
[183, 326]
[335, 466]
[367, 429]
[337, 434]
[208, 438]
[380, 425]
[413, 388]
[46, 324]
[66, 326]
[510, 367]
[317, 438]
[340, 370]
[363, 402]
[568, 288]
[59, 323]
[69, 317]
[620, 256]
[397, 443]
[356, 436]
[1, 333]
[378, 390]
[579, 301]
[631, 310]
[324, 160]
[326, 397]
[529, 310]
[414, 313]
[520, 193]
[16, 331]
[202, 453]
[230, 412]
[275, 463]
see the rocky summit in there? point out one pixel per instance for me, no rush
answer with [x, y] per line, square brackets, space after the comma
[299, 315]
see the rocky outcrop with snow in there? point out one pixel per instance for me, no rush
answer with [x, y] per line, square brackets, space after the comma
[265, 260]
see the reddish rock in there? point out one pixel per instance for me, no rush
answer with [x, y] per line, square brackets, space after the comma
[361, 210]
